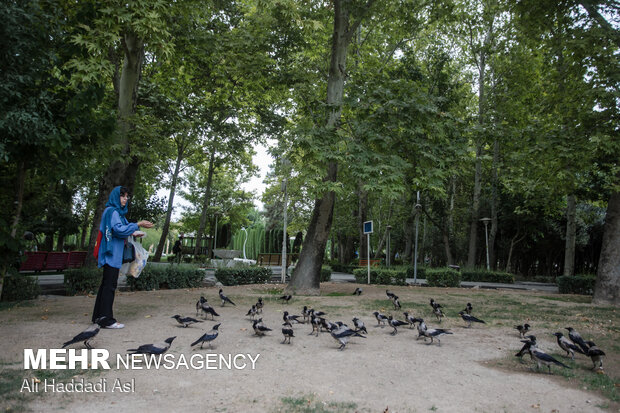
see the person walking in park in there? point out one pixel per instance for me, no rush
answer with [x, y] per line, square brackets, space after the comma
[115, 229]
[177, 250]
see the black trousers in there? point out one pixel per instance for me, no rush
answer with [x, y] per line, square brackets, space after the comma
[105, 296]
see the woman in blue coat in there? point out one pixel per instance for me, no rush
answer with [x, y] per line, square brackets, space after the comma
[115, 229]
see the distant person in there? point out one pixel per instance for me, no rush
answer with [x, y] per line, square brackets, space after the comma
[177, 250]
[115, 229]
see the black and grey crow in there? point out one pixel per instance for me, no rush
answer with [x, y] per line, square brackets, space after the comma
[185, 321]
[316, 324]
[396, 303]
[596, 354]
[526, 347]
[286, 298]
[305, 313]
[432, 333]
[286, 317]
[543, 358]
[259, 328]
[157, 348]
[468, 308]
[359, 325]
[316, 313]
[437, 310]
[470, 319]
[343, 334]
[410, 319]
[287, 332]
[85, 336]
[225, 299]
[566, 345]
[358, 291]
[259, 305]
[395, 323]
[389, 294]
[381, 318]
[206, 308]
[523, 329]
[252, 312]
[576, 338]
[208, 337]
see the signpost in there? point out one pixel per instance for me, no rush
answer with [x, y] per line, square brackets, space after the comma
[368, 231]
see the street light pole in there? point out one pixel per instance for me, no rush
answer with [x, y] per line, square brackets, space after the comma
[486, 233]
[388, 257]
[418, 207]
[244, 241]
[284, 237]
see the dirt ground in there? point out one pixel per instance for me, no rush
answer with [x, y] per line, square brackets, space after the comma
[471, 371]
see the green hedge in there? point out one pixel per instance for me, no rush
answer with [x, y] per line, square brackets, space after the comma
[346, 268]
[576, 284]
[326, 273]
[243, 275]
[83, 280]
[487, 276]
[19, 287]
[443, 277]
[381, 276]
[155, 277]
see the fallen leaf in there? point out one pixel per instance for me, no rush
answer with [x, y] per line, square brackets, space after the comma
[536, 406]
[44, 317]
[147, 316]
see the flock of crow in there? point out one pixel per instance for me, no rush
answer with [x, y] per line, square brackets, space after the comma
[342, 333]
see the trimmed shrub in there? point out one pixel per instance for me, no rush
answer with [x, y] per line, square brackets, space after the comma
[576, 284]
[326, 273]
[381, 276]
[155, 277]
[85, 280]
[443, 277]
[19, 287]
[487, 276]
[243, 275]
[346, 268]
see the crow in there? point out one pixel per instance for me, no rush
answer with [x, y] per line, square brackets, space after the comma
[185, 321]
[470, 319]
[596, 354]
[157, 348]
[526, 347]
[305, 313]
[435, 304]
[523, 329]
[287, 332]
[316, 324]
[358, 291]
[359, 325]
[225, 299]
[381, 318]
[316, 313]
[567, 346]
[252, 312]
[576, 338]
[432, 333]
[410, 319]
[208, 337]
[343, 334]
[206, 308]
[259, 305]
[396, 303]
[259, 328]
[437, 310]
[543, 358]
[85, 336]
[394, 324]
[286, 298]
[286, 317]
[389, 294]
[468, 308]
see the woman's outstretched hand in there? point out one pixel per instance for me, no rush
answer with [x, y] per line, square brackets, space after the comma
[145, 224]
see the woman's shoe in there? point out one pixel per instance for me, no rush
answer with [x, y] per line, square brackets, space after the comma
[116, 325]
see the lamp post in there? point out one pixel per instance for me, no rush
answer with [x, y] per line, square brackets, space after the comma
[284, 237]
[486, 233]
[217, 214]
[244, 241]
[388, 257]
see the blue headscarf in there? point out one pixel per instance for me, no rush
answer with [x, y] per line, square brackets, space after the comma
[114, 203]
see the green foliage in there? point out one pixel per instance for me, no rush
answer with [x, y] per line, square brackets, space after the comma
[381, 276]
[487, 276]
[346, 268]
[243, 275]
[155, 277]
[85, 280]
[326, 273]
[443, 277]
[20, 287]
[576, 284]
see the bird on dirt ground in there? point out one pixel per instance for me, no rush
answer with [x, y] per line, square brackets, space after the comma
[543, 358]
[576, 338]
[566, 345]
[286, 298]
[185, 321]
[286, 317]
[316, 313]
[287, 332]
[156, 348]
[468, 308]
[435, 304]
[389, 294]
[437, 310]
[596, 354]
[381, 318]
[259, 328]
[259, 305]
[316, 324]
[523, 329]
[394, 323]
[206, 308]
[470, 319]
[326, 325]
[85, 336]
[530, 340]
[305, 313]
[359, 325]
[432, 333]
[343, 334]
[396, 303]
[208, 337]
[252, 312]
[410, 319]
[358, 291]
[225, 299]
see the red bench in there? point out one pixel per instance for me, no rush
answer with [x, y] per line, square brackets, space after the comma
[76, 259]
[35, 261]
[56, 261]
[373, 263]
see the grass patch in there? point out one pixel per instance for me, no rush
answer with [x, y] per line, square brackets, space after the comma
[336, 294]
[9, 305]
[583, 299]
[310, 404]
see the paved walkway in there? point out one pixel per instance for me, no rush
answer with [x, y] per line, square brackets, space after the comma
[53, 283]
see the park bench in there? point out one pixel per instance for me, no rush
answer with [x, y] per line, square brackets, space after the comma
[76, 259]
[373, 263]
[35, 261]
[268, 259]
[56, 261]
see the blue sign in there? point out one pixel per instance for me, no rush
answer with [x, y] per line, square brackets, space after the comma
[368, 227]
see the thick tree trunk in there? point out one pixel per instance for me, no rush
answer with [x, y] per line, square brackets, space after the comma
[205, 204]
[166, 227]
[473, 230]
[362, 214]
[571, 234]
[494, 205]
[607, 288]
